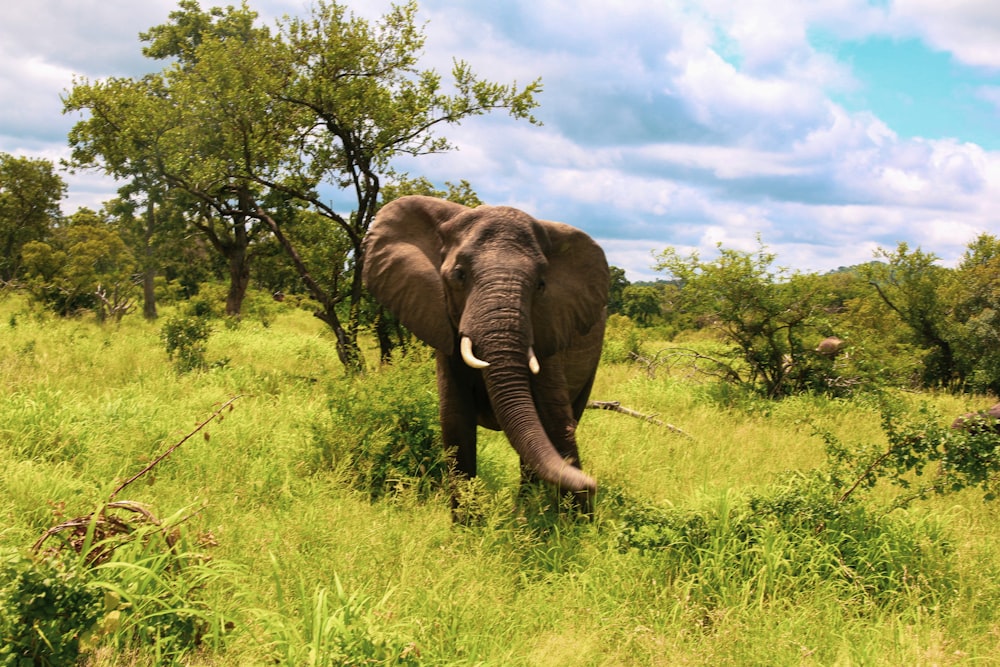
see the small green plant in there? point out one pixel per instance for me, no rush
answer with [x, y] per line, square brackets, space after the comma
[185, 341]
[334, 628]
[382, 431]
[155, 595]
[46, 608]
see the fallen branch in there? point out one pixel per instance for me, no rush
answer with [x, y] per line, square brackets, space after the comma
[615, 406]
[170, 451]
[101, 532]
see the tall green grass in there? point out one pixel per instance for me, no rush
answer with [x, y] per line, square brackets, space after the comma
[715, 546]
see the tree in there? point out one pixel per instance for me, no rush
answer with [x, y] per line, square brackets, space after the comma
[365, 102]
[618, 284]
[84, 266]
[243, 121]
[912, 285]
[975, 295]
[127, 122]
[155, 231]
[190, 131]
[767, 314]
[641, 303]
[30, 192]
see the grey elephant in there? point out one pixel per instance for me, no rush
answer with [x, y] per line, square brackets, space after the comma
[979, 422]
[515, 308]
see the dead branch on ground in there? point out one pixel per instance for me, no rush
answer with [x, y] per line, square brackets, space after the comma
[615, 406]
[97, 530]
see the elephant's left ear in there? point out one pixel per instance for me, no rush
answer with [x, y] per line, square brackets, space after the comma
[402, 262]
[576, 291]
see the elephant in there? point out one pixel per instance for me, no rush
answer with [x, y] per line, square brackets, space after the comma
[979, 422]
[515, 310]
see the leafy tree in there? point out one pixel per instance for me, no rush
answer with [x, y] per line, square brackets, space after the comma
[228, 126]
[190, 129]
[767, 314]
[84, 266]
[618, 284]
[641, 303]
[913, 285]
[365, 102]
[127, 121]
[243, 120]
[975, 294]
[157, 234]
[30, 192]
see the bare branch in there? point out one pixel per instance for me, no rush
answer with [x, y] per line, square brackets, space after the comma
[172, 448]
[615, 406]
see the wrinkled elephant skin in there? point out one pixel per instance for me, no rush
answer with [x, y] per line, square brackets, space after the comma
[515, 309]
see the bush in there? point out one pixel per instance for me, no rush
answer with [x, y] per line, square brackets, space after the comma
[921, 446]
[185, 341]
[148, 591]
[46, 607]
[382, 431]
[771, 317]
[621, 340]
[786, 539]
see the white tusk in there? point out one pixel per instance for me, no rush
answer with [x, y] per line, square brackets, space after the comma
[469, 357]
[533, 362]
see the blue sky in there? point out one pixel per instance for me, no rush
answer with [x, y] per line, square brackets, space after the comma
[920, 92]
[828, 128]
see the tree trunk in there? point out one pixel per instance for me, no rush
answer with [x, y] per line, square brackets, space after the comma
[149, 294]
[348, 350]
[239, 265]
[149, 270]
[239, 280]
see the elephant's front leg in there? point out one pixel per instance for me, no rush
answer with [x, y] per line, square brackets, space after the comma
[457, 412]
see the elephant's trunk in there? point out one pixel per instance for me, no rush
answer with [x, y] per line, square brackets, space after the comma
[497, 319]
[509, 387]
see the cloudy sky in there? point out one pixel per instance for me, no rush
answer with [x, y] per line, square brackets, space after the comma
[826, 127]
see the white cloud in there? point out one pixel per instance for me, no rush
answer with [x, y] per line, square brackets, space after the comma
[679, 123]
[724, 162]
[968, 29]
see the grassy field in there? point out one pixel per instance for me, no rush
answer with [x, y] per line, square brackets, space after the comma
[704, 549]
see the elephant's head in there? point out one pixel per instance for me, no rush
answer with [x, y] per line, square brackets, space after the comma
[501, 288]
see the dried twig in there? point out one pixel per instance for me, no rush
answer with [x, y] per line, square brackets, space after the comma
[615, 406]
[167, 453]
[96, 530]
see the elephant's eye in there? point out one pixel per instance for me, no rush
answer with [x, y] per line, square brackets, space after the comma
[541, 285]
[458, 275]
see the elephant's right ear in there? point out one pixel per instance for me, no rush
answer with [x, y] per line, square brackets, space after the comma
[402, 264]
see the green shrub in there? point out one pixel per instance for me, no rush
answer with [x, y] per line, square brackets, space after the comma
[382, 431]
[46, 607]
[185, 341]
[784, 540]
[922, 447]
[621, 341]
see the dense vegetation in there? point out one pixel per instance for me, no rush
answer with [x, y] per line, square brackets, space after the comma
[229, 479]
[309, 522]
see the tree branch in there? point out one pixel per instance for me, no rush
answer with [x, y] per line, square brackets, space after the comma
[615, 406]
